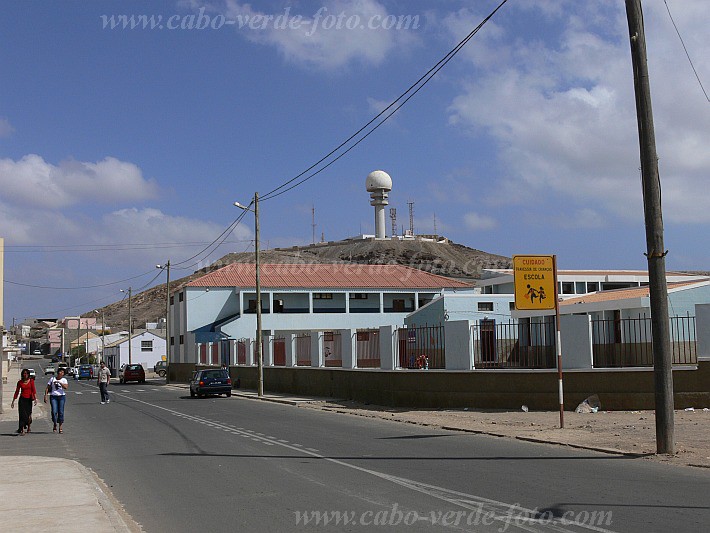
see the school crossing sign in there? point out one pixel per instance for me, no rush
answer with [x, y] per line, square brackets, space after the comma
[534, 277]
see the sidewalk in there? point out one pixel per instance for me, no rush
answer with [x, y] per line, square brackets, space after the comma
[28, 496]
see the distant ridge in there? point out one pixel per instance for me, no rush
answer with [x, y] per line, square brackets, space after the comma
[448, 259]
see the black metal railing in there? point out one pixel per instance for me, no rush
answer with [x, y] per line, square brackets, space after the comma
[421, 347]
[514, 344]
[628, 342]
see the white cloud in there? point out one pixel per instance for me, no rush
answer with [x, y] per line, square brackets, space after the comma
[476, 221]
[32, 181]
[564, 118]
[335, 34]
[6, 128]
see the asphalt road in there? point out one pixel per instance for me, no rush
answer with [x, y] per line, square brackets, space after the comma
[225, 464]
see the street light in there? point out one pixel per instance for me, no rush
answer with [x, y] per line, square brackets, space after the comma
[103, 333]
[166, 266]
[257, 269]
[130, 324]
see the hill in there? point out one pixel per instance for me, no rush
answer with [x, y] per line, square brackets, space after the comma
[444, 258]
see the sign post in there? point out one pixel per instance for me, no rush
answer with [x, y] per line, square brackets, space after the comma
[535, 280]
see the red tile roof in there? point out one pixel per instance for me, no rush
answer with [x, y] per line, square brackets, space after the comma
[326, 276]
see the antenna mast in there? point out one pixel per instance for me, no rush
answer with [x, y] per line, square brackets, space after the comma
[393, 218]
[313, 222]
[411, 217]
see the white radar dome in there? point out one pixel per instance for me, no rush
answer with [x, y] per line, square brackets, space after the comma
[378, 180]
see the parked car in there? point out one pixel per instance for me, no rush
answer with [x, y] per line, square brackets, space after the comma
[36, 352]
[131, 373]
[49, 369]
[32, 372]
[64, 366]
[86, 371]
[210, 381]
[161, 368]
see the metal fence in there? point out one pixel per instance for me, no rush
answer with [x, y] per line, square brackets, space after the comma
[367, 347]
[279, 347]
[627, 342]
[332, 353]
[421, 347]
[242, 347]
[521, 344]
[303, 349]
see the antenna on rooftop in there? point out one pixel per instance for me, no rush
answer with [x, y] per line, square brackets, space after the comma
[393, 218]
[435, 233]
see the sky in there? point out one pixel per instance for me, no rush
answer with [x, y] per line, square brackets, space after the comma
[122, 148]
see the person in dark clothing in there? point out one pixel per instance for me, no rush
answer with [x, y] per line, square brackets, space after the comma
[26, 391]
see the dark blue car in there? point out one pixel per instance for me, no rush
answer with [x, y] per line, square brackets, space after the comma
[86, 372]
[210, 381]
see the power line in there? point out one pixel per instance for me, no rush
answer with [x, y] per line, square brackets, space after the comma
[686, 51]
[77, 288]
[413, 89]
[45, 248]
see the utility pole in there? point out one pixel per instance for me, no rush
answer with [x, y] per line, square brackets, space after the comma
[78, 334]
[259, 351]
[130, 325]
[257, 270]
[656, 253]
[166, 266]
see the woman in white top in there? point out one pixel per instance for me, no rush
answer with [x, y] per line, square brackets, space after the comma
[57, 391]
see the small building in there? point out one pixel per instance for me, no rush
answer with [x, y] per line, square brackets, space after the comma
[147, 348]
[298, 297]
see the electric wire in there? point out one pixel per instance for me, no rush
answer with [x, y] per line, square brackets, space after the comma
[413, 89]
[78, 288]
[686, 51]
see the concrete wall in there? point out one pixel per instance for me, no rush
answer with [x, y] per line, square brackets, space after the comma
[702, 326]
[459, 348]
[436, 389]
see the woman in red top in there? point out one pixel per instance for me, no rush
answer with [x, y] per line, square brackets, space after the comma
[27, 392]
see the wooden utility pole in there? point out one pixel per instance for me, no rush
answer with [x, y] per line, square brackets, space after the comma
[656, 253]
[257, 269]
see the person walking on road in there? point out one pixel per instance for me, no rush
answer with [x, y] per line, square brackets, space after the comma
[103, 381]
[57, 391]
[26, 391]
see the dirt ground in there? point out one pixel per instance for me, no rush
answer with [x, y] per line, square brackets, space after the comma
[628, 432]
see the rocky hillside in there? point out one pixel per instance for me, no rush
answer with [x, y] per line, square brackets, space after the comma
[446, 259]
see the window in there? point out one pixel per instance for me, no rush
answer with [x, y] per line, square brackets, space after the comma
[358, 296]
[172, 341]
[146, 346]
[182, 339]
[172, 300]
[398, 306]
[252, 306]
[567, 287]
[322, 295]
[485, 306]
[580, 287]
[278, 306]
[592, 286]
[181, 296]
[512, 306]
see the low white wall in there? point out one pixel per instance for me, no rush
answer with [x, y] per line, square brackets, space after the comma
[702, 330]
[576, 337]
[459, 350]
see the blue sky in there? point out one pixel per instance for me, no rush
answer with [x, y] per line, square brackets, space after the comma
[122, 148]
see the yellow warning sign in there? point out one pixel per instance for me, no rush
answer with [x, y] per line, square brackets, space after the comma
[535, 281]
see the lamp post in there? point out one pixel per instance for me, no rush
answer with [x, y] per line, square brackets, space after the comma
[257, 269]
[166, 266]
[130, 325]
[103, 333]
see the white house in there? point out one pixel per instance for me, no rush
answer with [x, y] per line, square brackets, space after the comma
[146, 348]
[297, 297]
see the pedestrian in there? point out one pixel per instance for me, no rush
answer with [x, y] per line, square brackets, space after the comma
[26, 391]
[103, 381]
[57, 391]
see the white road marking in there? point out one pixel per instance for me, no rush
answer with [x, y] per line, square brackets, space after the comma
[525, 519]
